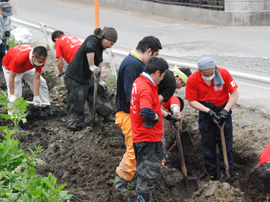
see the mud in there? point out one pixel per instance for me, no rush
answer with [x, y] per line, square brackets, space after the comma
[87, 160]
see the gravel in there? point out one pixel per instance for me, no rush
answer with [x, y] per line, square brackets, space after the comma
[255, 63]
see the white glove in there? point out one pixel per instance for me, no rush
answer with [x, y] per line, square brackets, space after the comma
[103, 85]
[12, 98]
[37, 101]
[96, 71]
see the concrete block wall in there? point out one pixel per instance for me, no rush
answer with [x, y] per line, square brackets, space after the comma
[233, 17]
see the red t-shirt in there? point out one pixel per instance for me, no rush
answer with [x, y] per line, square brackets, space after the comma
[144, 94]
[198, 90]
[66, 46]
[265, 156]
[18, 60]
[172, 100]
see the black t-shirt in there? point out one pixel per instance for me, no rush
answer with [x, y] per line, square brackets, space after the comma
[167, 86]
[78, 69]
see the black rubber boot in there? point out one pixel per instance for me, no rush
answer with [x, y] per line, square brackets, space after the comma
[46, 111]
[109, 118]
[120, 184]
[144, 198]
[19, 127]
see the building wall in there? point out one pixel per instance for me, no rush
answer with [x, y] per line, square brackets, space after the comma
[252, 13]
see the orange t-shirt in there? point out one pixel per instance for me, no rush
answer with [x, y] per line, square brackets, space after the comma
[265, 156]
[18, 60]
[66, 46]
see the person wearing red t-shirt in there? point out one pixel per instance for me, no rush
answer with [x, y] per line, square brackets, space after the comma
[213, 92]
[66, 46]
[264, 169]
[147, 127]
[26, 62]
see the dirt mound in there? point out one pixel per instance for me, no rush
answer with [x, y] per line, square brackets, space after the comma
[87, 160]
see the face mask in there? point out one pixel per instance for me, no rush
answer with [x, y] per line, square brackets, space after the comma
[208, 78]
[38, 64]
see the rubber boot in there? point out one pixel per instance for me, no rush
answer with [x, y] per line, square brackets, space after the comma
[19, 127]
[120, 184]
[109, 118]
[144, 197]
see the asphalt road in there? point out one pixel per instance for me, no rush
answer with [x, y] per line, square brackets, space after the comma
[179, 38]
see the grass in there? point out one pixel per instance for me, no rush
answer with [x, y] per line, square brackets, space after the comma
[12, 42]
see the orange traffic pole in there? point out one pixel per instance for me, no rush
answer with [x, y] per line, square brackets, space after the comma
[96, 14]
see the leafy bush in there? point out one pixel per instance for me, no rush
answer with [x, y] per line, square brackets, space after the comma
[18, 181]
[12, 42]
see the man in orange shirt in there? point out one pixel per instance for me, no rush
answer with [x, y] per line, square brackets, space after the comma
[66, 46]
[26, 62]
[213, 92]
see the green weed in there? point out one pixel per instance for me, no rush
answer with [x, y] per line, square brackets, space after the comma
[12, 42]
[18, 181]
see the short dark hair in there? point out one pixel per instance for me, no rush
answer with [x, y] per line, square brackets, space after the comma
[156, 63]
[40, 51]
[56, 34]
[149, 42]
[186, 71]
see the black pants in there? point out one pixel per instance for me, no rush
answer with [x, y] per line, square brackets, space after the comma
[78, 94]
[2, 52]
[210, 137]
[149, 156]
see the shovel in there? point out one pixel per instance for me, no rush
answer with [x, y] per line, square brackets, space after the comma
[180, 150]
[42, 104]
[94, 100]
[224, 150]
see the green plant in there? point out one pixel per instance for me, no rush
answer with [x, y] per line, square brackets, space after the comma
[18, 110]
[131, 185]
[109, 80]
[12, 42]
[18, 181]
[47, 47]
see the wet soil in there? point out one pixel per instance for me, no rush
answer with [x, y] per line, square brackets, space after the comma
[87, 160]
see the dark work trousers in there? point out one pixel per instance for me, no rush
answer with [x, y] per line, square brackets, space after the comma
[149, 156]
[264, 174]
[210, 136]
[78, 94]
[2, 52]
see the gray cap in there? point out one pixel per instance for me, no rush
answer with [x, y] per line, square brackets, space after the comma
[206, 63]
[6, 8]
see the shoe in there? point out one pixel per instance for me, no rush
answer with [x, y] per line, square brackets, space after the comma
[120, 184]
[144, 198]
[46, 111]
[214, 175]
[77, 128]
[109, 118]
[19, 127]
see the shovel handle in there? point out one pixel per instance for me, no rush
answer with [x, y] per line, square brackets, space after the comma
[180, 149]
[224, 150]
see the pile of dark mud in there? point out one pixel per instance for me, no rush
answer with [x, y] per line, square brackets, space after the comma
[87, 160]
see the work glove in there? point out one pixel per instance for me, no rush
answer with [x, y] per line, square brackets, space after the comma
[59, 75]
[223, 114]
[150, 124]
[12, 98]
[95, 70]
[37, 101]
[103, 85]
[3, 45]
[214, 116]
[171, 117]
[7, 33]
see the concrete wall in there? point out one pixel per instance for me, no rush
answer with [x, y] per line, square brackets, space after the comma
[229, 18]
